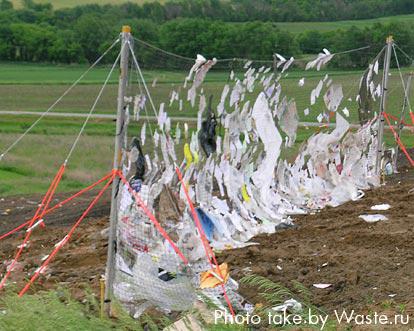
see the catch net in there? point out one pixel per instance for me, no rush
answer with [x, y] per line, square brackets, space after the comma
[255, 142]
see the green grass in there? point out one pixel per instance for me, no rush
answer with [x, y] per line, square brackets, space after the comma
[35, 88]
[46, 74]
[56, 310]
[30, 166]
[272, 294]
[298, 27]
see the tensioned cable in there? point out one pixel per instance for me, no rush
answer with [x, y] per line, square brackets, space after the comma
[163, 51]
[219, 60]
[140, 90]
[92, 108]
[352, 50]
[346, 96]
[241, 59]
[142, 78]
[7, 150]
[350, 92]
[295, 60]
[402, 79]
[376, 58]
[402, 51]
[145, 106]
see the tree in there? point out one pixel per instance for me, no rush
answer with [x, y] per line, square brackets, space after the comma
[311, 42]
[6, 47]
[6, 5]
[92, 31]
[31, 41]
[66, 48]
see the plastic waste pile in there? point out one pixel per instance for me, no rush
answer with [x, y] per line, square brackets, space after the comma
[238, 181]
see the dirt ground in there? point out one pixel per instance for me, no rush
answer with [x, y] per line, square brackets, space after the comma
[79, 264]
[370, 266]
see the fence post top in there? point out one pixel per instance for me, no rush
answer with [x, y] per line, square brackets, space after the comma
[126, 29]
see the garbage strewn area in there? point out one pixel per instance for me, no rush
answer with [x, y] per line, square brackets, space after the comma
[368, 266]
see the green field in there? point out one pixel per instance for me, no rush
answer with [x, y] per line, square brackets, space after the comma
[34, 88]
[297, 27]
[29, 167]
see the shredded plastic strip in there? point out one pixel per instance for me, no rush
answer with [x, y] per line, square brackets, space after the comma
[141, 204]
[209, 252]
[44, 204]
[58, 205]
[398, 140]
[66, 238]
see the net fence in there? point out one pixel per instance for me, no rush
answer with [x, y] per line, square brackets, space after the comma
[247, 185]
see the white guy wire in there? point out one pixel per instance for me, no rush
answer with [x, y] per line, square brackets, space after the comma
[405, 53]
[7, 150]
[142, 78]
[163, 51]
[242, 59]
[402, 79]
[92, 109]
[145, 106]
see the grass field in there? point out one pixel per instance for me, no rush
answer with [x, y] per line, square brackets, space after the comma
[297, 27]
[34, 88]
[29, 167]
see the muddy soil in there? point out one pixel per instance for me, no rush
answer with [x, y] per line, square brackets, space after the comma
[370, 265]
[15, 210]
[79, 264]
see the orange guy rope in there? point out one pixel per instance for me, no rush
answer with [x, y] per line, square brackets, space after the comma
[66, 238]
[209, 252]
[58, 205]
[43, 205]
[152, 218]
[399, 140]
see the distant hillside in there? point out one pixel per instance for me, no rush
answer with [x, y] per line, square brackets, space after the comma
[298, 27]
[250, 10]
[57, 4]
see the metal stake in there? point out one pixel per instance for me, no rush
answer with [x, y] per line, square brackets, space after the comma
[383, 105]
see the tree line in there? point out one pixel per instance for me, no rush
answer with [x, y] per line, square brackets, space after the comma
[37, 33]
[233, 10]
